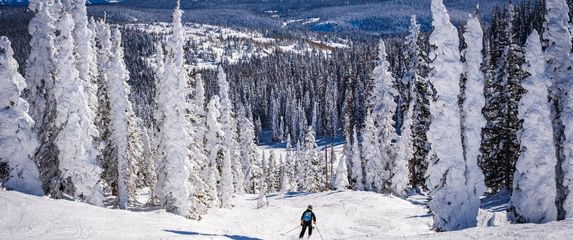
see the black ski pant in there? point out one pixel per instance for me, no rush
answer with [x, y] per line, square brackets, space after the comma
[304, 226]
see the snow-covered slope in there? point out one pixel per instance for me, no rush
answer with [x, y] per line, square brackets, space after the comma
[340, 215]
[553, 230]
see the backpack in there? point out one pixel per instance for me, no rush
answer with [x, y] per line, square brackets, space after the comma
[307, 217]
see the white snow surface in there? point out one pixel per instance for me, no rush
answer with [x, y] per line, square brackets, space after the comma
[340, 215]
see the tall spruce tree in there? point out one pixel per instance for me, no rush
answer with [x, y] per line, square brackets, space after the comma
[175, 167]
[500, 145]
[19, 142]
[447, 173]
[472, 98]
[534, 187]
[557, 39]
[416, 75]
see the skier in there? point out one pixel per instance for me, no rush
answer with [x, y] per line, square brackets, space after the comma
[306, 220]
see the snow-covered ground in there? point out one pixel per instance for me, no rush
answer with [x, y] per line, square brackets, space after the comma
[340, 215]
[553, 230]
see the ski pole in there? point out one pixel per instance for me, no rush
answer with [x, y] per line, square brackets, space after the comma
[318, 230]
[290, 231]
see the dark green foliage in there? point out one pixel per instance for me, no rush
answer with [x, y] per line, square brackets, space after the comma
[500, 145]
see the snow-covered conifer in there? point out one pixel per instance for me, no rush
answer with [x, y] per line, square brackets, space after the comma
[450, 200]
[399, 180]
[198, 118]
[84, 51]
[415, 75]
[357, 170]
[473, 102]
[314, 177]
[251, 165]
[119, 109]
[40, 79]
[77, 155]
[375, 173]
[174, 185]
[287, 173]
[270, 172]
[226, 184]
[40, 63]
[341, 178]
[557, 37]
[227, 120]
[213, 142]
[534, 189]
[383, 109]
[18, 142]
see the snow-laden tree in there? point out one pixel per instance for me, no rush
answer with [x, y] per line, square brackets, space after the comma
[115, 114]
[274, 106]
[383, 107]
[198, 118]
[40, 63]
[357, 170]
[227, 120]
[40, 79]
[213, 147]
[418, 112]
[264, 173]
[79, 173]
[287, 173]
[341, 177]
[375, 173]
[84, 52]
[473, 102]
[314, 180]
[557, 39]
[147, 176]
[175, 170]
[270, 172]
[534, 188]
[405, 152]
[103, 48]
[447, 173]
[18, 142]
[119, 112]
[405, 149]
[249, 157]
[85, 62]
[225, 186]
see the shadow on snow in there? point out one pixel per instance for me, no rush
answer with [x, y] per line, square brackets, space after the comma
[235, 237]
